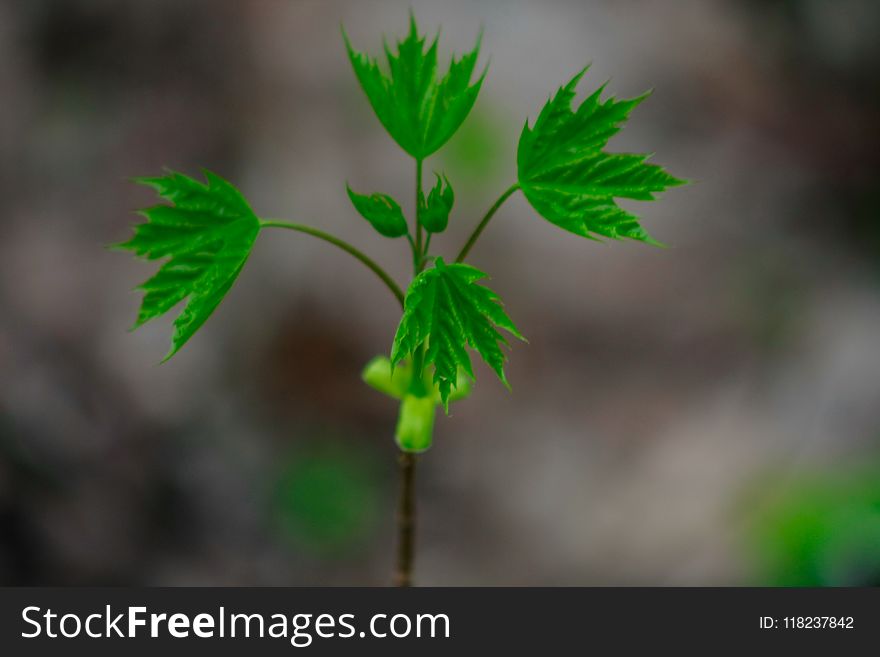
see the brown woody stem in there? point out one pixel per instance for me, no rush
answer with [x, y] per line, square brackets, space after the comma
[406, 520]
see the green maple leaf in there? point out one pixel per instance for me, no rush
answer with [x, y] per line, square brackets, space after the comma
[382, 211]
[571, 181]
[206, 233]
[420, 110]
[447, 311]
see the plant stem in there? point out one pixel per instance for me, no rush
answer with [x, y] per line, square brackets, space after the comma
[420, 256]
[406, 520]
[485, 221]
[406, 505]
[345, 246]
[415, 254]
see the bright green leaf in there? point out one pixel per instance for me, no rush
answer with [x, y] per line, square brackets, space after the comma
[381, 376]
[571, 181]
[419, 109]
[380, 210]
[447, 311]
[396, 382]
[206, 233]
[434, 211]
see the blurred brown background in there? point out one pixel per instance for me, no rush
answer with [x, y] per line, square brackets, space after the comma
[704, 414]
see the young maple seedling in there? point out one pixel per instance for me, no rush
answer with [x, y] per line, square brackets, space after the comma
[206, 231]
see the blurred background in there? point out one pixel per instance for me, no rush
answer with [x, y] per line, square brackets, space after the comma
[707, 414]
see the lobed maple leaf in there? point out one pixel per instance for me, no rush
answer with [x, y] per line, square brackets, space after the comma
[571, 181]
[446, 310]
[420, 110]
[206, 233]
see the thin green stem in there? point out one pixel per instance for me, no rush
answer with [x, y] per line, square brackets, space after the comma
[420, 255]
[484, 222]
[412, 245]
[345, 246]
